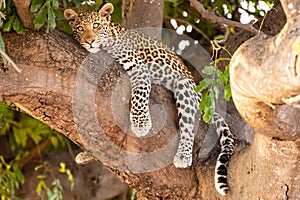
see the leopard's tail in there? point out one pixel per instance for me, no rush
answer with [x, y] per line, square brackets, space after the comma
[227, 148]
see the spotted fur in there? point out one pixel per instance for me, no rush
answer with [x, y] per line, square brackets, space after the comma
[147, 61]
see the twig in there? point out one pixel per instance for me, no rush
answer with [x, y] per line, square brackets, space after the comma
[34, 152]
[69, 148]
[10, 61]
[221, 20]
[194, 27]
[216, 43]
[225, 35]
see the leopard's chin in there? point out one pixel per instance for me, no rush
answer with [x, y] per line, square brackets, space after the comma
[93, 50]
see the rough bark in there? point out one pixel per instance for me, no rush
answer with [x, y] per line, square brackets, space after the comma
[141, 13]
[44, 87]
[50, 86]
[265, 81]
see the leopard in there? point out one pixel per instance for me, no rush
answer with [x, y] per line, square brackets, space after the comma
[148, 61]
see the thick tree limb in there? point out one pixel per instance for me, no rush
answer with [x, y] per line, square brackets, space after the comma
[45, 89]
[264, 72]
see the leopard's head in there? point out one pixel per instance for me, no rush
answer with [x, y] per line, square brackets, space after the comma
[91, 28]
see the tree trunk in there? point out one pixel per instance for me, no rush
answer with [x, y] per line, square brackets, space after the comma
[266, 88]
[78, 95]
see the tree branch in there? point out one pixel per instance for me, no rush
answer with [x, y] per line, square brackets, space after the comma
[23, 10]
[34, 152]
[264, 73]
[221, 20]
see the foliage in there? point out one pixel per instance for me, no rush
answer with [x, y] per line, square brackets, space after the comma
[10, 177]
[2, 47]
[66, 171]
[10, 20]
[213, 86]
[57, 192]
[50, 12]
[25, 133]
[45, 13]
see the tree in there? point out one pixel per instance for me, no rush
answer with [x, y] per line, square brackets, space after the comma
[46, 88]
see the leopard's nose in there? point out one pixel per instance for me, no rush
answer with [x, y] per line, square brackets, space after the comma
[90, 41]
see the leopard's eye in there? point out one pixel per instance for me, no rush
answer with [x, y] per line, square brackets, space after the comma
[80, 28]
[95, 25]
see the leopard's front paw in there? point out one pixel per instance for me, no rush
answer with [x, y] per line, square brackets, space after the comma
[141, 130]
[140, 124]
[182, 160]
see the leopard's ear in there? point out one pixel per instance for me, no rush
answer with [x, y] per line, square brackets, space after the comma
[70, 14]
[106, 10]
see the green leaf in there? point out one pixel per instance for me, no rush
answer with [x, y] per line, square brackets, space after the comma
[221, 59]
[227, 92]
[62, 168]
[216, 90]
[41, 176]
[54, 141]
[49, 194]
[209, 70]
[72, 185]
[20, 137]
[219, 37]
[51, 19]
[202, 102]
[41, 185]
[19, 174]
[207, 106]
[2, 47]
[38, 167]
[57, 184]
[8, 25]
[203, 84]
[40, 18]
[35, 136]
[226, 72]
[17, 25]
[12, 142]
[208, 114]
[36, 5]
[55, 4]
